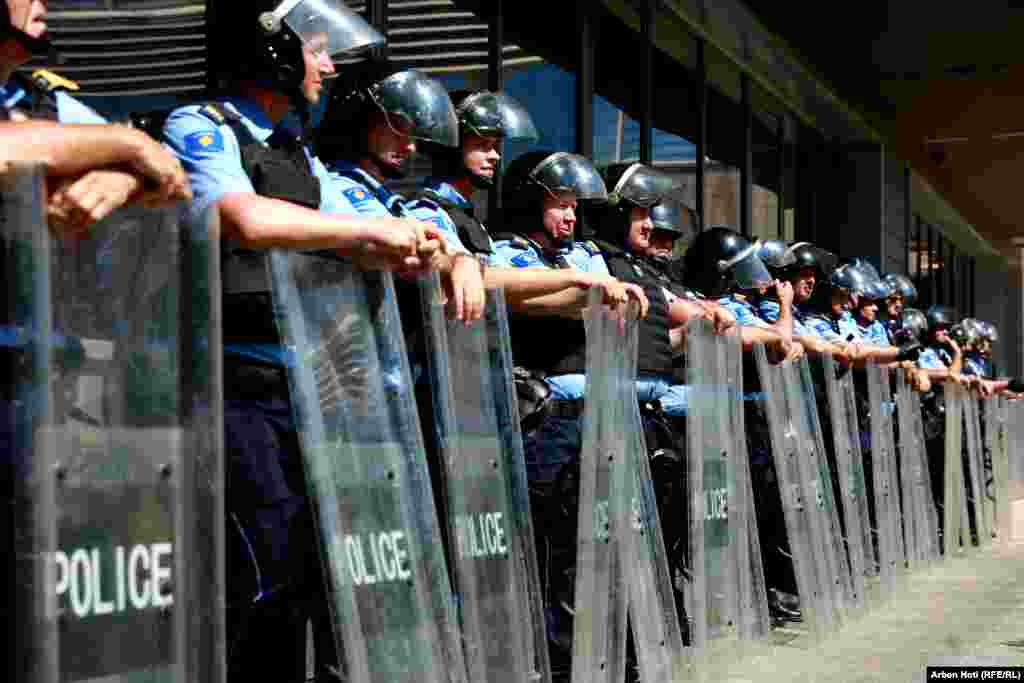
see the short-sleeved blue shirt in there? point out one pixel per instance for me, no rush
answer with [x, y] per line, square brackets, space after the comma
[69, 110]
[874, 333]
[743, 311]
[525, 254]
[934, 358]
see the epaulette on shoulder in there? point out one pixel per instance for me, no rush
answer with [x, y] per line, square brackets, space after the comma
[214, 112]
[591, 246]
[51, 82]
[516, 240]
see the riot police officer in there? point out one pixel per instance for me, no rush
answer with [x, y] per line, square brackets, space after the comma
[941, 357]
[247, 161]
[541, 195]
[902, 293]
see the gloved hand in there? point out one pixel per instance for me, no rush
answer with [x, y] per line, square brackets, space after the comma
[1016, 385]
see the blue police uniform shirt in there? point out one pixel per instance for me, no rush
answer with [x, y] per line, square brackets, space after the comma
[212, 158]
[743, 311]
[768, 310]
[974, 365]
[429, 211]
[525, 255]
[823, 327]
[359, 193]
[69, 110]
[934, 358]
[874, 333]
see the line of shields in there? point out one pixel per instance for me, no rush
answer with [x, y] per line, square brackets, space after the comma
[113, 474]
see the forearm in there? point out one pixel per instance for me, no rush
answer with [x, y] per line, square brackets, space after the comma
[819, 346]
[568, 303]
[66, 150]
[261, 223]
[750, 335]
[523, 284]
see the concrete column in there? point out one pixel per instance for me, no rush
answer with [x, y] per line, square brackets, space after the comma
[858, 207]
[1018, 243]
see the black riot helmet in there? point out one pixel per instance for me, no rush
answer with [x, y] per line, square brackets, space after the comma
[902, 287]
[8, 30]
[720, 259]
[535, 175]
[940, 316]
[409, 102]
[630, 185]
[988, 331]
[484, 114]
[264, 42]
[913, 324]
[777, 256]
[673, 216]
[964, 334]
[849, 278]
[806, 255]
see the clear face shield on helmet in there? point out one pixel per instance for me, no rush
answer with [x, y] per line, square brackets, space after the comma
[775, 254]
[418, 106]
[496, 115]
[324, 26]
[642, 185]
[748, 271]
[564, 173]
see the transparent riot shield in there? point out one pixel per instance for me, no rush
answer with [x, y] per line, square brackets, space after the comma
[891, 562]
[956, 530]
[352, 397]
[754, 622]
[720, 597]
[114, 483]
[621, 561]
[843, 594]
[797, 479]
[929, 542]
[999, 488]
[850, 473]
[977, 501]
[914, 484]
[468, 369]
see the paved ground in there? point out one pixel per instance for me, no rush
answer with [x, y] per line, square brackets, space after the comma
[967, 610]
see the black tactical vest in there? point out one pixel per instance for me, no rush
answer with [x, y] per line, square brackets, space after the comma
[469, 228]
[279, 170]
[654, 356]
[551, 345]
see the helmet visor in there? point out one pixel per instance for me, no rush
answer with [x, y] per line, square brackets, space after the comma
[328, 26]
[902, 287]
[643, 186]
[496, 115]
[748, 271]
[563, 172]
[672, 216]
[418, 106]
[775, 254]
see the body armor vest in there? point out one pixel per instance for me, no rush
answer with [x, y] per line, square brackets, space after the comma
[469, 228]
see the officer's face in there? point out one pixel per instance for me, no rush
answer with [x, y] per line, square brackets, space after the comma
[480, 155]
[318, 67]
[803, 284]
[662, 242]
[869, 310]
[639, 237]
[894, 305]
[560, 216]
[388, 145]
[840, 301]
[28, 16]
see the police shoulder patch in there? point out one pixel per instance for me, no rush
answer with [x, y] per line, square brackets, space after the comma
[357, 196]
[525, 259]
[204, 141]
[49, 81]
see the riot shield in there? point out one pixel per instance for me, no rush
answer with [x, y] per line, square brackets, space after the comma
[720, 598]
[797, 479]
[754, 621]
[621, 559]
[836, 559]
[956, 530]
[930, 544]
[467, 370]
[850, 473]
[891, 562]
[919, 532]
[977, 500]
[365, 464]
[113, 487]
[999, 488]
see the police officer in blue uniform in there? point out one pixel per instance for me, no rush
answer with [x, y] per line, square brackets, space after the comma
[248, 162]
[541, 195]
[903, 293]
